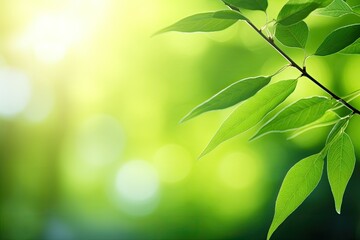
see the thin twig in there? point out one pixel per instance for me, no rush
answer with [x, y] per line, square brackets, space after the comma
[303, 71]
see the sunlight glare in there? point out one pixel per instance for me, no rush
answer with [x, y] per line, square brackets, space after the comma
[15, 92]
[51, 36]
[40, 106]
[137, 181]
[137, 188]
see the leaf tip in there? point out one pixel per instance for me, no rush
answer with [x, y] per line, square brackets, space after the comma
[253, 138]
[158, 32]
[338, 209]
[163, 30]
[186, 118]
[256, 136]
[206, 151]
[269, 235]
[211, 146]
[182, 120]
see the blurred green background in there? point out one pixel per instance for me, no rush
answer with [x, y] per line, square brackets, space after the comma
[90, 145]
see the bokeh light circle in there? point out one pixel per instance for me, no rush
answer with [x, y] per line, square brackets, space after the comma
[100, 140]
[137, 181]
[15, 92]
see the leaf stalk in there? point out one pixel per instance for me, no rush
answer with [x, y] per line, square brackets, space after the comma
[303, 71]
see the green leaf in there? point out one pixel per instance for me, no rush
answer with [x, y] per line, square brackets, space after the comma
[205, 22]
[356, 8]
[354, 48]
[355, 5]
[339, 39]
[348, 98]
[340, 166]
[329, 118]
[233, 94]
[295, 35]
[296, 10]
[337, 8]
[297, 115]
[250, 112]
[298, 183]
[249, 4]
[337, 129]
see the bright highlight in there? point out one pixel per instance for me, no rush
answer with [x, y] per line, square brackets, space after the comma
[137, 181]
[15, 92]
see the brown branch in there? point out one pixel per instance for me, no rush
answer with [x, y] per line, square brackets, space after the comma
[295, 65]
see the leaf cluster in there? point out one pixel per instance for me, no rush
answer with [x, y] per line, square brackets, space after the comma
[256, 97]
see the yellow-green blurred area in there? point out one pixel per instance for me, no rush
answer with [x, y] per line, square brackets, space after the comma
[90, 145]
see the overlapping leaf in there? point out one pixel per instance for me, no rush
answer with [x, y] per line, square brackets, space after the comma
[249, 4]
[337, 8]
[296, 10]
[205, 22]
[233, 94]
[352, 96]
[295, 35]
[297, 115]
[356, 8]
[329, 118]
[335, 131]
[298, 183]
[339, 39]
[340, 166]
[251, 112]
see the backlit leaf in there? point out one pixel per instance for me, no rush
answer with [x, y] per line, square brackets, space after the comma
[337, 8]
[348, 98]
[340, 166]
[250, 112]
[297, 115]
[339, 39]
[295, 35]
[298, 183]
[233, 94]
[249, 4]
[205, 22]
[354, 4]
[329, 118]
[356, 8]
[337, 129]
[296, 10]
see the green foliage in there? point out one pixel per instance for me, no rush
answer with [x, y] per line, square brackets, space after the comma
[328, 119]
[296, 10]
[338, 127]
[298, 183]
[233, 94]
[295, 35]
[337, 8]
[340, 166]
[205, 22]
[352, 96]
[249, 4]
[356, 8]
[339, 39]
[297, 115]
[251, 112]
[258, 98]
